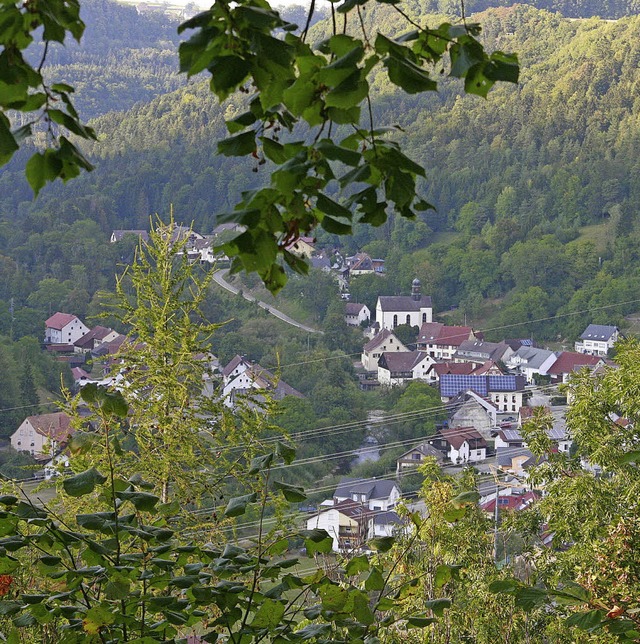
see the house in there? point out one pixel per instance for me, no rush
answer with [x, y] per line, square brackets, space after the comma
[568, 362]
[119, 235]
[506, 392]
[384, 342]
[460, 444]
[94, 338]
[414, 310]
[531, 361]
[387, 524]
[355, 314]
[43, 436]
[512, 437]
[347, 522]
[375, 494]
[302, 247]
[250, 382]
[509, 499]
[441, 341]
[472, 410]
[360, 264]
[479, 351]
[416, 456]
[597, 339]
[397, 368]
[63, 328]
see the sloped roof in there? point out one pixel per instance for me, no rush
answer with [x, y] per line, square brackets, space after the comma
[401, 360]
[482, 349]
[388, 517]
[378, 339]
[437, 333]
[455, 436]
[457, 368]
[78, 373]
[56, 426]
[486, 367]
[59, 320]
[373, 488]
[599, 332]
[403, 303]
[425, 449]
[235, 361]
[97, 333]
[353, 308]
[532, 357]
[569, 361]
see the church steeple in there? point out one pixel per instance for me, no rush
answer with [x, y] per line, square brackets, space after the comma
[416, 290]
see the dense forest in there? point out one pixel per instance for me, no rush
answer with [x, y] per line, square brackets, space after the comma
[534, 189]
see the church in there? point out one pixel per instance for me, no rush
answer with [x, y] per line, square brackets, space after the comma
[414, 309]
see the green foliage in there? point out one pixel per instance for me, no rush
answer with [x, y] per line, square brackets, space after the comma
[590, 510]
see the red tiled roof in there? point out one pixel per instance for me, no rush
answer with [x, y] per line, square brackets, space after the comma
[455, 436]
[56, 426]
[457, 368]
[569, 361]
[59, 320]
[437, 333]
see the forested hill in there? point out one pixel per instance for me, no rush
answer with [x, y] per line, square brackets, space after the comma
[515, 178]
[609, 9]
[123, 58]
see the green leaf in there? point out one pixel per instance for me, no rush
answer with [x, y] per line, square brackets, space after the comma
[291, 493]
[8, 144]
[375, 580]
[337, 153]
[470, 496]
[382, 544]
[508, 586]
[357, 565]
[438, 605]
[361, 610]
[443, 575]
[409, 76]
[239, 145]
[117, 588]
[83, 483]
[82, 442]
[240, 122]
[143, 501]
[114, 404]
[454, 514]
[420, 622]
[268, 615]
[259, 463]
[238, 505]
[589, 621]
[285, 452]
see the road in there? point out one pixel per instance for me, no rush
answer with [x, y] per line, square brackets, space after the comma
[218, 278]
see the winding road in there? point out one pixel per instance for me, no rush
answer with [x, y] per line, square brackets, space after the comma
[219, 278]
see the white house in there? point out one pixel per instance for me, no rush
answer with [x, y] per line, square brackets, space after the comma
[347, 522]
[355, 314]
[401, 367]
[530, 361]
[416, 456]
[64, 328]
[414, 310]
[375, 494]
[384, 342]
[597, 339]
[244, 379]
[42, 436]
[441, 341]
[460, 444]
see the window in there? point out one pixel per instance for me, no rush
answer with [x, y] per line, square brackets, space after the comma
[395, 321]
[424, 318]
[415, 457]
[408, 319]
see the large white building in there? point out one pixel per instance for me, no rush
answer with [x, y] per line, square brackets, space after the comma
[414, 309]
[64, 328]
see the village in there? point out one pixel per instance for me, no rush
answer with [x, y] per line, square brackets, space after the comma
[488, 390]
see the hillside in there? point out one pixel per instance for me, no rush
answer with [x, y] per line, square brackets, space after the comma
[514, 178]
